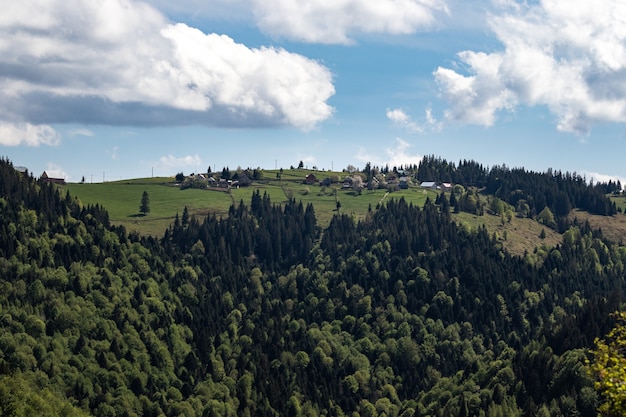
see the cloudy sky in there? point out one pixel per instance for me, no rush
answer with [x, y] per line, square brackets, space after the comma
[112, 89]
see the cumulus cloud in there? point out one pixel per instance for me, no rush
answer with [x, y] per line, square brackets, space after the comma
[332, 22]
[567, 56]
[123, 62]
[171, 162]
[399, 154]
[396, 155]
[400, 118]
[598, 177]
[14, 134]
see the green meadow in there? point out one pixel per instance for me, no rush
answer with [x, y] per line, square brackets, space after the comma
[122, 198]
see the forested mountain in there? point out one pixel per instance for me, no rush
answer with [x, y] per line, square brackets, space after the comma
[261, 313]
[559, 192]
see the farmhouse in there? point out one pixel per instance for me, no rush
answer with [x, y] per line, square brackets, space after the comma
[429, 184]
[310, 179]
[46, 178]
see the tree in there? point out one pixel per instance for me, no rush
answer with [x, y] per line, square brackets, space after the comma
[546, 217]
[144, 207]
[180, 177]
[609, 368]
[185, 218]
[301, 165]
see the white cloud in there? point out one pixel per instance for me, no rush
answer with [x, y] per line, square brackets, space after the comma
[399, 154]
[82, 132]
[15, 134]
[320, 21]
[400, 118]
[114, 153]
[170, 162]
[308, 160]
[396, 155]
[567, 56]
[597, 177]
[122, 62]
[323, 21]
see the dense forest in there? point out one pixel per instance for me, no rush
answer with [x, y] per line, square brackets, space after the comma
[263, 313]
[559, 192]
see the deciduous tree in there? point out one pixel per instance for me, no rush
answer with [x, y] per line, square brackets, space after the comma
[609, 368]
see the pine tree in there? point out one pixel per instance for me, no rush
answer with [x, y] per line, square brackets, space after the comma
[144, 207]
[185, 216]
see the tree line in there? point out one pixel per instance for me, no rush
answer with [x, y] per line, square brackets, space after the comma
[261, 312]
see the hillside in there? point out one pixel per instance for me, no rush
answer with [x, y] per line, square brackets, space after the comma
[264, 311]
[122, 198]
[519, 235]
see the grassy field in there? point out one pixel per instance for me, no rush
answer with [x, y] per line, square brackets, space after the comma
[517, 236]
[122, 198]
[613, 227]
[620, 202]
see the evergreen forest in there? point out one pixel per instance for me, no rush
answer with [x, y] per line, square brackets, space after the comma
[264, 313]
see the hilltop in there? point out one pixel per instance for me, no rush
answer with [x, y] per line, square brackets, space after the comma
[203, 194]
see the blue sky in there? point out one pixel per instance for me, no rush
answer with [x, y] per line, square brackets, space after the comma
[113, 89]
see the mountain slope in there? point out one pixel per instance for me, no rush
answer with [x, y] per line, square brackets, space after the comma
[262, 313]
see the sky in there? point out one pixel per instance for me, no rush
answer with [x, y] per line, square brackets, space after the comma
[117, 89]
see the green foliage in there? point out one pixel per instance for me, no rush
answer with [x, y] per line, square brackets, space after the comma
[608, 367]
[546, 217]
[257, 312]
[21, 396]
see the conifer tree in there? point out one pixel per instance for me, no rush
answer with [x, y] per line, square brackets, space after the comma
[144, 207]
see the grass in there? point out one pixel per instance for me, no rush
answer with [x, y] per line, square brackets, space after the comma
[613, 227]
[122, 200]
[517, 236]
[620, 201]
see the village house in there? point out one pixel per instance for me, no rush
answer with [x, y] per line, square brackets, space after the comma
[46, 178]
[310, 179]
